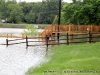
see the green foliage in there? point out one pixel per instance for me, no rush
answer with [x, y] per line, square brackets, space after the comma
[55, 20]
[30, 18]
[83, 57]
[40, 12]
[15, 13]
[82, 12]
[2, 9]
[49, 8]
[30, 31]
[3, 25]
[78, 12]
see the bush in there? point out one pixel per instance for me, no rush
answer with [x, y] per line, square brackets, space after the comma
[30, 31]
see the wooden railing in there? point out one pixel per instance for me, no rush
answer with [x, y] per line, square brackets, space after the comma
[47, 31]
[67, 39]
[69, 29]
[12, 36]
[15, 36]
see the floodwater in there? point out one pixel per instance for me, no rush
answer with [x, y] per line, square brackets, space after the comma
[14, 31]
[16, 59]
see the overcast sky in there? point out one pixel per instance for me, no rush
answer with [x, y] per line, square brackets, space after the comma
[40, 0]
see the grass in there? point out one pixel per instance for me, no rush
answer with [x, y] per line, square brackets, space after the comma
[83, 57]
[3, 25]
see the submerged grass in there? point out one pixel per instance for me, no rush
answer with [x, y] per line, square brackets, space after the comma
[67, 59]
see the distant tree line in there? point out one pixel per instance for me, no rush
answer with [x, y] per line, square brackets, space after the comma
[22, 12]
[46, 12]
[82, 12]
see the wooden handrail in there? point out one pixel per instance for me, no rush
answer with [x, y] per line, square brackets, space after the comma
[70, 29]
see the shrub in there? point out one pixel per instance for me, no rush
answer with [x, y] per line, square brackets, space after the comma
[30, 31]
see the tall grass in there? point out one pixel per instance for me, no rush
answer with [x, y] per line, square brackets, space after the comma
[84, 57]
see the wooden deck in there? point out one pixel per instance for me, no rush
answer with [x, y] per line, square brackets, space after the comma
[63, 29]
[70, 29]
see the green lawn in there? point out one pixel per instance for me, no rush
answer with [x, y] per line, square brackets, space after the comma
[67, 59]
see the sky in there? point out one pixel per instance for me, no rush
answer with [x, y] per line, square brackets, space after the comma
[41, 0]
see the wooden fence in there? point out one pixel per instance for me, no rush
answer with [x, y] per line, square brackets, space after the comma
[66, 39]
[55, 29]
[12, 36]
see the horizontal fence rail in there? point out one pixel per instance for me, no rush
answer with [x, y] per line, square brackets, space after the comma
[66, 39]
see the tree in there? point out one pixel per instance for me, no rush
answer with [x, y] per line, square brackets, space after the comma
[55, 21]
[74, 1]
[26, 8]
[14, 13]
[86, 12]
[40, 12]
[36, 9]
[69, 12]
[3, 8]
[49, 10]
[30, 18]
[30, 31]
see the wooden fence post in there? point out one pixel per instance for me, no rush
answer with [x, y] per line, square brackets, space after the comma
[89, 37]
[47, 42]
[58, 39]
[26, 42]
[7, 42]
[7, 35]
[53, 38]
[67, 39]
[22, 35]
[11, 35]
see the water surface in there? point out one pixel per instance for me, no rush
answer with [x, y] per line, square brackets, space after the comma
[16, 59]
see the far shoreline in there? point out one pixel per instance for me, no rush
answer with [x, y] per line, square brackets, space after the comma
[22, 26]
